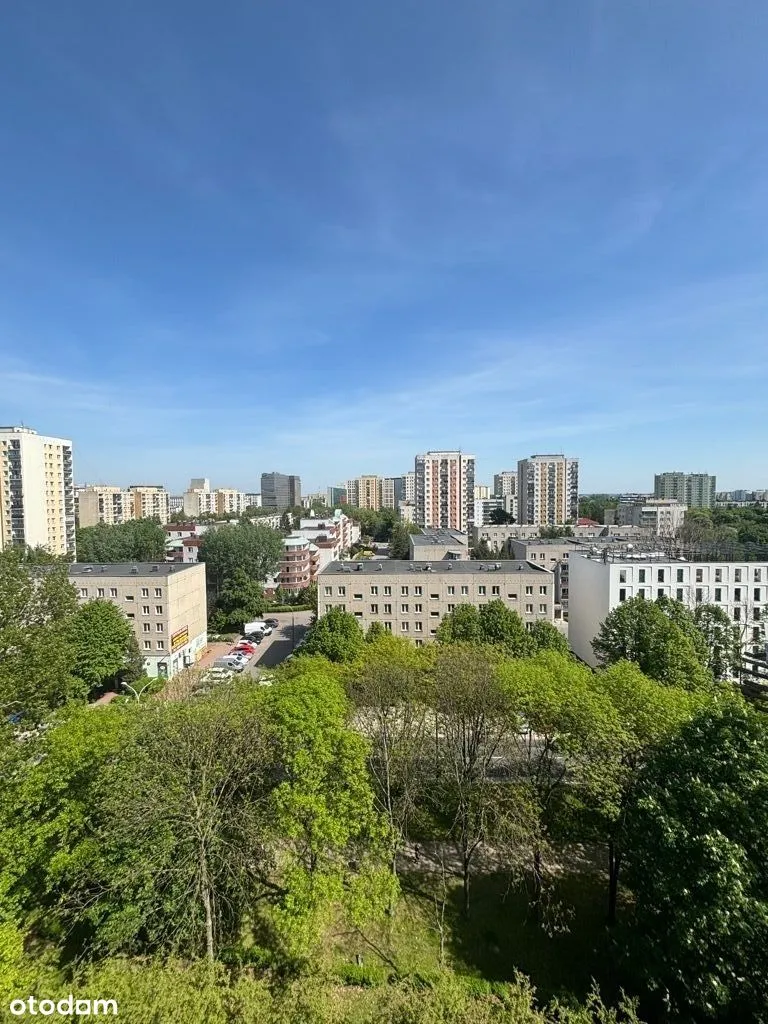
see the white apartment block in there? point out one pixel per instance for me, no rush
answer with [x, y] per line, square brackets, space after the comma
[392, 491]
[445, 487]
[547, 490]
[150, 501]
[202, 501]
[175, 503]
[102, 503]
[164, 602]
[600, 583]
[332, 536]
[482, 492]
[409, 487]
[37, 491]
[364, 492]
[505, 483]
[485, 507]
[660, 516]
[411, 598]
[252, 500]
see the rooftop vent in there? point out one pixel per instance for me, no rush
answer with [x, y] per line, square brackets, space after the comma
[359, 566]
[379, 566]
[88, 568]
[449, 566]
[497, 565]
[135, 569]
[155, 568]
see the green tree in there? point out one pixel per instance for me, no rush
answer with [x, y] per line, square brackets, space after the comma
[140, 540]
[544, 636]
[336, 636]
[503, 626]
[697, 863]
[481, 551]
[399, 542]
[103, 643]
[462, 624]
[375, 630]
[251, 547]
[308, 595]
[36, 658]
[722, 639]
[500, 516]
[241, 599]
[643, 632]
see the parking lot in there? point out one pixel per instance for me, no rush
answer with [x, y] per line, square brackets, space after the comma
[276, 648]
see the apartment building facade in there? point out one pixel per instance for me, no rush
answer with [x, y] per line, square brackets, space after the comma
[164, 602]
[409, 487]
[659, 516]
[445, 487]
[150, 501]
[410, 598]
[600, 583]
[102, 503]
[37, 491]
[695, 490]
[505, 483]
[365, 492]
[547, 490]
[392, 491]
[299, 565]
[336, 496]
[280, 490]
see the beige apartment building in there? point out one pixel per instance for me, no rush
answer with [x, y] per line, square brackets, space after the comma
[411, 598]
[150, 501]
[547, 490]
[37, 491]
[445, 489]
[365, 492]
[435, 545]
[102, 503]
[165, 602]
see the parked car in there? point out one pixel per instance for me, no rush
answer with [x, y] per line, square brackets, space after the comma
[247, 646]
[272, 622]
[253, 638]
[235, 662]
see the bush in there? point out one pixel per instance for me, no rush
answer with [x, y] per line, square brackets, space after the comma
[362, 975]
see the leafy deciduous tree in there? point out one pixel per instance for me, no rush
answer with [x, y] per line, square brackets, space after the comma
[140, 540]
[336, 635]
[250, 547]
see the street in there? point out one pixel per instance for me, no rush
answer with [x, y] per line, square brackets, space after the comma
[280, 644]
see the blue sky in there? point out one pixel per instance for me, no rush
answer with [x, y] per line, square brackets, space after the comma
[322, 237]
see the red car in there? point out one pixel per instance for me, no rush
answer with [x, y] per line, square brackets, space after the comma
[244, 647]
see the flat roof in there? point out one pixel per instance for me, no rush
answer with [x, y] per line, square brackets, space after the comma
[438, 535]
[397, 567]
[130, 568]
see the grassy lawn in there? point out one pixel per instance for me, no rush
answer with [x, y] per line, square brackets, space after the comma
[562, 954]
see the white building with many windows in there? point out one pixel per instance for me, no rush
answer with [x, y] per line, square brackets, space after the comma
[599, 583]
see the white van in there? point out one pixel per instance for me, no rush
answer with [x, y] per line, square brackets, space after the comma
[235, 662]
[259, 626]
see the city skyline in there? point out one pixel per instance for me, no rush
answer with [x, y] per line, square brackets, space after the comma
[372, 232]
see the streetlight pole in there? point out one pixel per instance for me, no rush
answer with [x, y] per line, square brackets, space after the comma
[127, 686]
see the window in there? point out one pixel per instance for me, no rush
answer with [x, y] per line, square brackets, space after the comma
[419, 643]
[403, 627]
[387, 609]
[496, 591]
[328, 591]
[718, 593]
[341, 591]
[357, 597]
[417, 591]
[737, 614]
[464, 591]
[130, 615]
[100, 592]
[718, 575]
[699, 595]
[158, 591]
[543, 591]
[641, 592]
[113, 591]
[757, 576]
[756, 614]
[659, 575]
[83, 591]
[660, 592]
[417, 607]
[404, 591]
[129, 597]
[512, 597]
[147, 645]
[374, 609]
[699, 575]
[358, 615]
[451, 591]
[146, 627]
[543, 609]
[145, 609]
[737, 593]
[404, 608]
[756, 633]
[529, 590]
[388, 626]
[159, 627]
[737, 575]
[680, 576]
[434, 597]
[160, 645]
[641, 575]
[622, 575]
[679, 594]
[481, 591]
[529, 607]
[387, 591]
[757, 593]
[374, 591]
[417, 627]
[145, 591]
[623, 594]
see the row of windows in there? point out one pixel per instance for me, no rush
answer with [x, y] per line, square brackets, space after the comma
[680, 596]
[101, 592]
[160, 645]
[665, 575]
[417, 592]
[386, 609]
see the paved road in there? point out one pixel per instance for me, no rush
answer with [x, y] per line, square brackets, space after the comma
[277, 647]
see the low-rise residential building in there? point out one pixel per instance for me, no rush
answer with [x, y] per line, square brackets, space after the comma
[190, 551]
[165, 603]
[407, 511]
[600, 582]
[299, 564]
[410, 598]
[660, 516]
[333, 535]
[435, 544]
[553, 555]
[497, 536]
